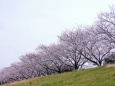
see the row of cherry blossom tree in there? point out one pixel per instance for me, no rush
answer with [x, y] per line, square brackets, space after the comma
[76, 49]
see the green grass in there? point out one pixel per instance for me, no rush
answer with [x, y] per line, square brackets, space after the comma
[100, 76]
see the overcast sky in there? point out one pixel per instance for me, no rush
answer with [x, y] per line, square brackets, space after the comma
[24, 24]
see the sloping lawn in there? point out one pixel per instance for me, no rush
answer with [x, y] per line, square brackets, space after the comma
[100, 76]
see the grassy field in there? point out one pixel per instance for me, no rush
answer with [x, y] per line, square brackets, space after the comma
[100, 76]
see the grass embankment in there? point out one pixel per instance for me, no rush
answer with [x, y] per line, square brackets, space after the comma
[100, 76]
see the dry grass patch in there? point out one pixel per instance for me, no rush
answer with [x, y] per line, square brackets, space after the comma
[110, 65]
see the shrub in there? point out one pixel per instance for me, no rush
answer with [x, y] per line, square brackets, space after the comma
[110, 59]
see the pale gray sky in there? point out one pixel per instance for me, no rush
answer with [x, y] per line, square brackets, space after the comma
[24, 24]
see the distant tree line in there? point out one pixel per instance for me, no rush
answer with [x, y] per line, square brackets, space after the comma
[75, 49]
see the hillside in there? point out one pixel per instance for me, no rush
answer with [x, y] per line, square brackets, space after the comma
[100, 76]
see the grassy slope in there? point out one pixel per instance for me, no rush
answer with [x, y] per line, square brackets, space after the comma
[100, 76]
